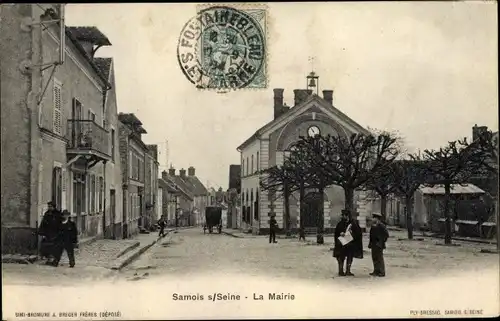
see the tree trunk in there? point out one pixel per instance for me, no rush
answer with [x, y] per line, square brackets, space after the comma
[447, 215]
[409, 216]
[498, 228]
[383, 207]
[349, 200]
[301, 201]
[321, 219]
[287, 210]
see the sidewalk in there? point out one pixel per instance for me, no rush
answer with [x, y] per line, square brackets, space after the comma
[95, 261]
[103, 253]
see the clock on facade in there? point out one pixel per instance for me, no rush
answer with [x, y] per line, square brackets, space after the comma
[313, 131]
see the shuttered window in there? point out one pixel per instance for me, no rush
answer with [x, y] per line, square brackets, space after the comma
[57, 122]
[57, 186]
[101, 194]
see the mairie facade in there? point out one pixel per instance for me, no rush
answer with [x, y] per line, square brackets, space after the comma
[269, 145]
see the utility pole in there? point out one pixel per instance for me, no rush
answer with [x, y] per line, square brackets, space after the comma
[166, 153]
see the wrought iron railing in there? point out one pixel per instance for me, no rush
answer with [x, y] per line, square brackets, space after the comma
[87, 135]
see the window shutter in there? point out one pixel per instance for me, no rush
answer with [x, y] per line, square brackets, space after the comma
[64, 177]
[57, 124]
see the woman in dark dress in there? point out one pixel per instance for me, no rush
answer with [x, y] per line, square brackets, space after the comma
[354, 249]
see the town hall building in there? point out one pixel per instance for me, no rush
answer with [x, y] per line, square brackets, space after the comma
[267, 147]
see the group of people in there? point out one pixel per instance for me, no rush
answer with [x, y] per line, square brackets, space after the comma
[349, 244]
[58, 234]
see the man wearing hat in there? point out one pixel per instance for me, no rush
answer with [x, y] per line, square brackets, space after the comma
[273, 226]
[347, 252]
[378, 237]
[49, 229]
[67, 239]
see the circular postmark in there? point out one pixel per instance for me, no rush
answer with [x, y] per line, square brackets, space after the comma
[221, 48]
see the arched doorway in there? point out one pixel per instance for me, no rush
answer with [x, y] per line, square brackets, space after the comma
[312, 209]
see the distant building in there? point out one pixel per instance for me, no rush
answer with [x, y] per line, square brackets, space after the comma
[58, 125]
[235, 177]
[171, 196]
[185, 199]
[133, 153]
[212, 196]
[200, 194]
[269, 146]
[151, 186]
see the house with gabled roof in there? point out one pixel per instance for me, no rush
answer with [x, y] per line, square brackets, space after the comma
[311, 114]
[184, 198]
[200, 194]
[66, 138]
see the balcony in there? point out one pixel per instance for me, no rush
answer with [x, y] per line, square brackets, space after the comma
[88, 139]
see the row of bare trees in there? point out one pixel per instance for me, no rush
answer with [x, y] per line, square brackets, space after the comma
[377, 162]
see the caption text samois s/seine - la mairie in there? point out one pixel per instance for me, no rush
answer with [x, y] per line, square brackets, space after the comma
[217, 296]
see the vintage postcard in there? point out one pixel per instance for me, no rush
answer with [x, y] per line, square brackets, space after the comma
[249, 160]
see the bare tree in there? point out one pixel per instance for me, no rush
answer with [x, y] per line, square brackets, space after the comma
[456, 163]
[383, 183]
[349, 162]
[286, 179]
[409, 175]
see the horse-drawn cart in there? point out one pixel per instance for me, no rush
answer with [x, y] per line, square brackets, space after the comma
[213, 218]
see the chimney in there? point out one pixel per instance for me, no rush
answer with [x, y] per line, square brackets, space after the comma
[182, 173]
[477, 131]
[191, 171]
[164, 175]
[171, 171]
[328, 96]
[300, 95]
[278, 102]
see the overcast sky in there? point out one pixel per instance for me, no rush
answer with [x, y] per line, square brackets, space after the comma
[428, 70]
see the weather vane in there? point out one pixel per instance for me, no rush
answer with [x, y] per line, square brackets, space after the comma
[312, 78]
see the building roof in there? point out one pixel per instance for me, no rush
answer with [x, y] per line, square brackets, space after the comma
[104, 64]
[455, 189]
[84, 54]
[90, 34]
[182, 186]
[198, 189]
[168, 185]
[285, 114]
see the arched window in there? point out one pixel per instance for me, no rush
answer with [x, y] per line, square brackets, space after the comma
[251, 196]
[243, 167]
[257, 161]
[290, 149]
[252, 168]
[247, 167]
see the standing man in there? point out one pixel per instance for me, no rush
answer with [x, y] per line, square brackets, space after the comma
[49, 229]
[67, 239]
[353, 249]
[378, 237]
[273, 226]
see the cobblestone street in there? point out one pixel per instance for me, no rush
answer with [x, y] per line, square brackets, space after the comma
[191, 263]
[192, 252]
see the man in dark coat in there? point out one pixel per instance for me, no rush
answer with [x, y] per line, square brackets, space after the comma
[162, 223]
[378, 237]
[67, 239]
[353, 249]
[273, 226]
[49, 229]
